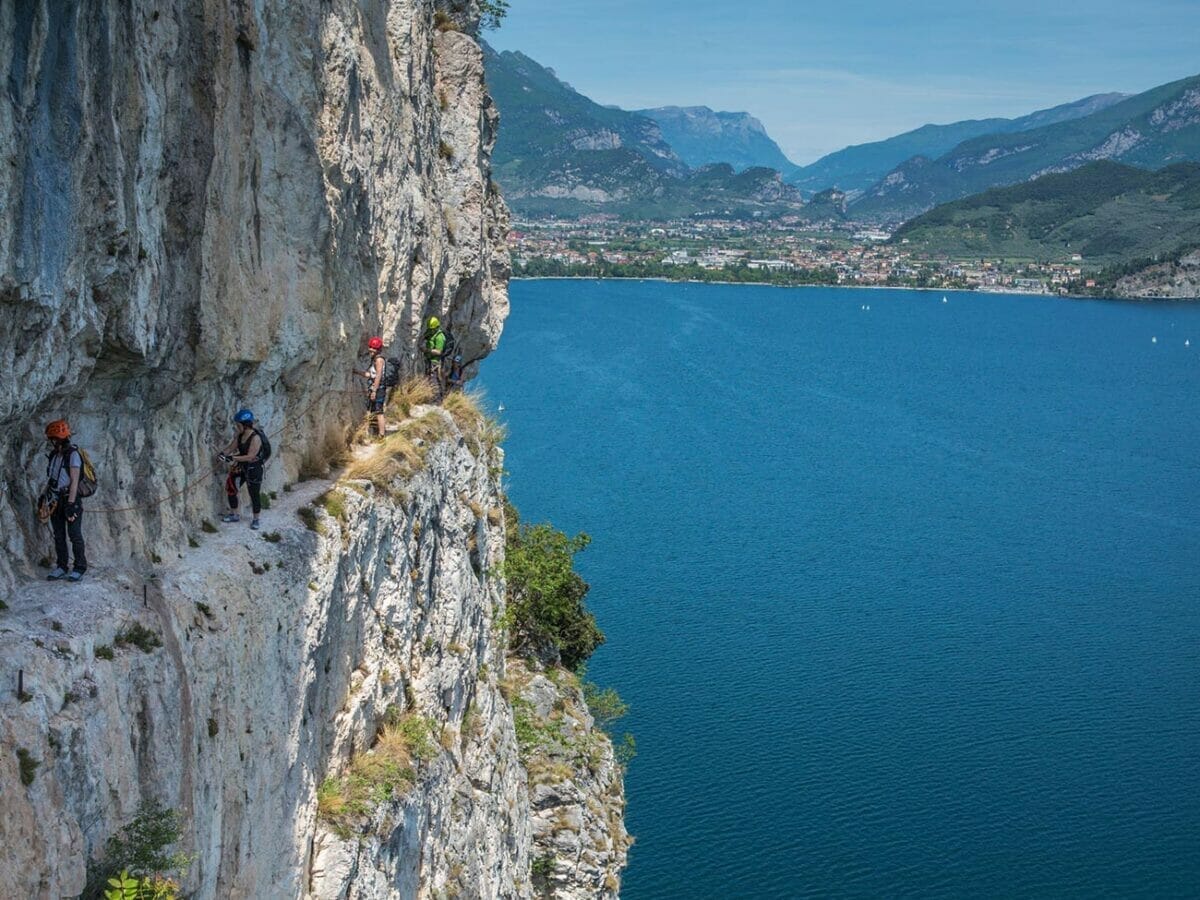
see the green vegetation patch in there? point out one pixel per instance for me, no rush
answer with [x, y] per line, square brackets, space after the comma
[138, 635]
[311, 520]
[1108, 213]
[141, 849]
[380, 775]
[27, 765]
[546, 594]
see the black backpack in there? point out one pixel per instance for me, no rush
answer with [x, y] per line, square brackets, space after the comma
[391, 372]
[451, 343]
[264, 450]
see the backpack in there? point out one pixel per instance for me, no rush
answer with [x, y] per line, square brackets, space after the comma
[391, 372]
[264, 450]
[451, 343]
[87, 476]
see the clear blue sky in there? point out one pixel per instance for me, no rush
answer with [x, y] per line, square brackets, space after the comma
[824, 75]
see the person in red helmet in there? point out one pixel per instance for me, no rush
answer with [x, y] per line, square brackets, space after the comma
[377, 391]
[63, 467]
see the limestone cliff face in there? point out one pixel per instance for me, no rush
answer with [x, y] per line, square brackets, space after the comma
[282, 657]
[279, 662]
[207, 204]
[212, 203]
[576, 787]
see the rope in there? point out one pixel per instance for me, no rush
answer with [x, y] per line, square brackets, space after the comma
[191, 484]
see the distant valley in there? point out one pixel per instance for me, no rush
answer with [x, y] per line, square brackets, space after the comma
[1076, 181]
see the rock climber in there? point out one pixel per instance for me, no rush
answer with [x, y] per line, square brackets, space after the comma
[64, 464]
[376, 390]
[435, 347]
[246, 455]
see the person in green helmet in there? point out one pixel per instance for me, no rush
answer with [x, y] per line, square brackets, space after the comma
[435, 348]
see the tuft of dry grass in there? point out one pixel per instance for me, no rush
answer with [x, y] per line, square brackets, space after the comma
[413, 392]
[378, 776]
[331, 452]
[443, 22]
[547, 770]
[492, 433]
[336, 448]
[464, 408]
[483, 433]
[401, 454]
[394, 457]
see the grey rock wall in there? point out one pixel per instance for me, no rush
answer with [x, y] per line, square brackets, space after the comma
[206, 204]
[279, 662]
[213, 203]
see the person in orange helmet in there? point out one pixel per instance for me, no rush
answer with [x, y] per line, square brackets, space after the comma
[64, 463]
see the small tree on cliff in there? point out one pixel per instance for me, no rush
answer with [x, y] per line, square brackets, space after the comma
[545, 593]
[492, 13]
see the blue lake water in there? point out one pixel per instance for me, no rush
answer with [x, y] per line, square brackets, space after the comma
[906, 602]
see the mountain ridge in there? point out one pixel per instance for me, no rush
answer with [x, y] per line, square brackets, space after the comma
[559, 153]
[703, 136]
[860, 166]
[1107, 213]
[1148, 130]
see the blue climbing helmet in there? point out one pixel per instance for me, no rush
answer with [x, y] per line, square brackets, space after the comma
[244, 417]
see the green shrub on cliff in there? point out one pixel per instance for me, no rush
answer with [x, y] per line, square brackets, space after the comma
[545, 593]
[492, 13]
[140, 849]
[129, 887]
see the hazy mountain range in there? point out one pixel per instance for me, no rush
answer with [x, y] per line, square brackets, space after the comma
[560, 153]
[857, 168]
[701, 137]
[1148, 130]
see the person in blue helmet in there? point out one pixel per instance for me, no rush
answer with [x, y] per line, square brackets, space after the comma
[245, 454]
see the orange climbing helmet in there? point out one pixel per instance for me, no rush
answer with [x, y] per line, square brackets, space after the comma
[375, 343]
[58, 430]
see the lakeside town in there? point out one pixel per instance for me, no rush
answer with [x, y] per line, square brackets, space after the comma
[785, 251]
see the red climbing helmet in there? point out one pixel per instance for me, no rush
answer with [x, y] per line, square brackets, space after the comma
[58, 430]
[375, 343]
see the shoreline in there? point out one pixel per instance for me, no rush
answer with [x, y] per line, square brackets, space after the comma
[862, 287]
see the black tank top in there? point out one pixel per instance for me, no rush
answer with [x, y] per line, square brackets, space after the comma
[244, 448]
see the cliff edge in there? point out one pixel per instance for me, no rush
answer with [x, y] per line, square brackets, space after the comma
[212, 205]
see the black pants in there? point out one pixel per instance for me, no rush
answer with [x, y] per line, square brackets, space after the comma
[62, 528]
[251, 476]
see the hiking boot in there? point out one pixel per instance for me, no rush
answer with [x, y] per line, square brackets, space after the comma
[254, 524]
[75, 576]
[57, 574]
[231, 517]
